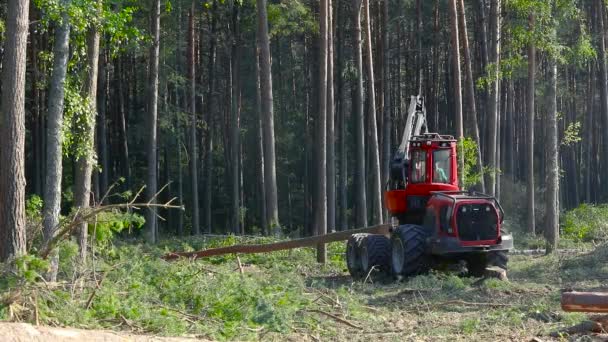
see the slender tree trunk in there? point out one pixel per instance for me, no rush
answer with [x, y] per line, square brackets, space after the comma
[472, 123]
[52, 191]
[102, 132]
[373, 129]
[196, 229]
[234, 121]
[387, 126]
[270, 175]
[552, 199]
[603, 83]
[84, 163]
[152, 177]
[457, 84]
[331, 136]
[124, 142]
[12, 129]
[530, 130]
[494, 95]
[210, 120]
[321, 136]
[260, 148]
[360, 198]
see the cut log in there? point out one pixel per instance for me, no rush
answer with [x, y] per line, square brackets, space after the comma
[585, 301]
[278, 246]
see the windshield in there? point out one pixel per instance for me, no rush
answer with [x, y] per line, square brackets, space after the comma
[418, 166]
[442, 168]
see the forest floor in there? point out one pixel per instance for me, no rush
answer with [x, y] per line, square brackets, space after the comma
[288, 296]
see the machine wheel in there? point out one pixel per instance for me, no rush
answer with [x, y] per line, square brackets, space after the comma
[499, 259]
[375, 253]
[353, 257]
[408, 255]
[478, 263]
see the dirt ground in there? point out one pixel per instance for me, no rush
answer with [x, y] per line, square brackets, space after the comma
[24, 332]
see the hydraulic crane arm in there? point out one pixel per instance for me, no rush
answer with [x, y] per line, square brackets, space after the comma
[416, 118]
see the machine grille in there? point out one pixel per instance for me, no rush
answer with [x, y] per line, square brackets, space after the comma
[477, 222]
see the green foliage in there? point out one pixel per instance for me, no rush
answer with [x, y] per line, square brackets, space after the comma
[107, 224]
[290, 17]
[587, 222]
[572, 134]
[468, 148]
[78, 116]
[33, 208]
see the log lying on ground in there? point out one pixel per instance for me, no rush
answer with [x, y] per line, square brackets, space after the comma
[585, 301]
[278, 246]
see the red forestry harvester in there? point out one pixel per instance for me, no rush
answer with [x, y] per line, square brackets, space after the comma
[433, 222]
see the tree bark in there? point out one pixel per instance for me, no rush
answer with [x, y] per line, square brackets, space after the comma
[457, 84]
[234, 121]
[152, 177]
[359, 169]
[210, 123]
[552, 199]
[387, 121]
[260, 149]
[12, 129]
[530, 132]
[196, 229]
[52, 191]
[321, 136]
[270, 175]
[472, 123]
[603, 84]
[331, 136]
[102, 132]
[494, 95]
[373, 128]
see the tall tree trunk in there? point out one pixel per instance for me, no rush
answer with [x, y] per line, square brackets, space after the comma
[270, 174]
[331, 136]
[603, 84]
[552, 199]
[234, 121]
[196, 229]
[52, 191]
[494, 95]
[457, 84]
[123, 125]
[12, 129]
[472, 123]
[321, 136]
[210, 120]
[260, 149]
[530, 132]
[152, 179]
[359, 170]
[84, 164]
[102, 133]
[387, 125]
[373, 129]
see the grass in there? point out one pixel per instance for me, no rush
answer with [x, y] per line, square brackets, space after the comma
[288, 296]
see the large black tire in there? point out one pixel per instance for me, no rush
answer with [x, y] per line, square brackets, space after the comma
[477, 263]
[408, 246]
[353, 255]
[375, 254]
[499, 259]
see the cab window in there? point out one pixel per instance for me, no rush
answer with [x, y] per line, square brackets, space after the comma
[442, 167]
[418, 166]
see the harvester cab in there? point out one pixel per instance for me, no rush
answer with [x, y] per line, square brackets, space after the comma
[433, 221]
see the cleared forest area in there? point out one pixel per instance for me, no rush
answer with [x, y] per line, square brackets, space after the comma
[288, 296]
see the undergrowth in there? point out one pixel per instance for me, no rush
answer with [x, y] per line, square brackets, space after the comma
[287, 295]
